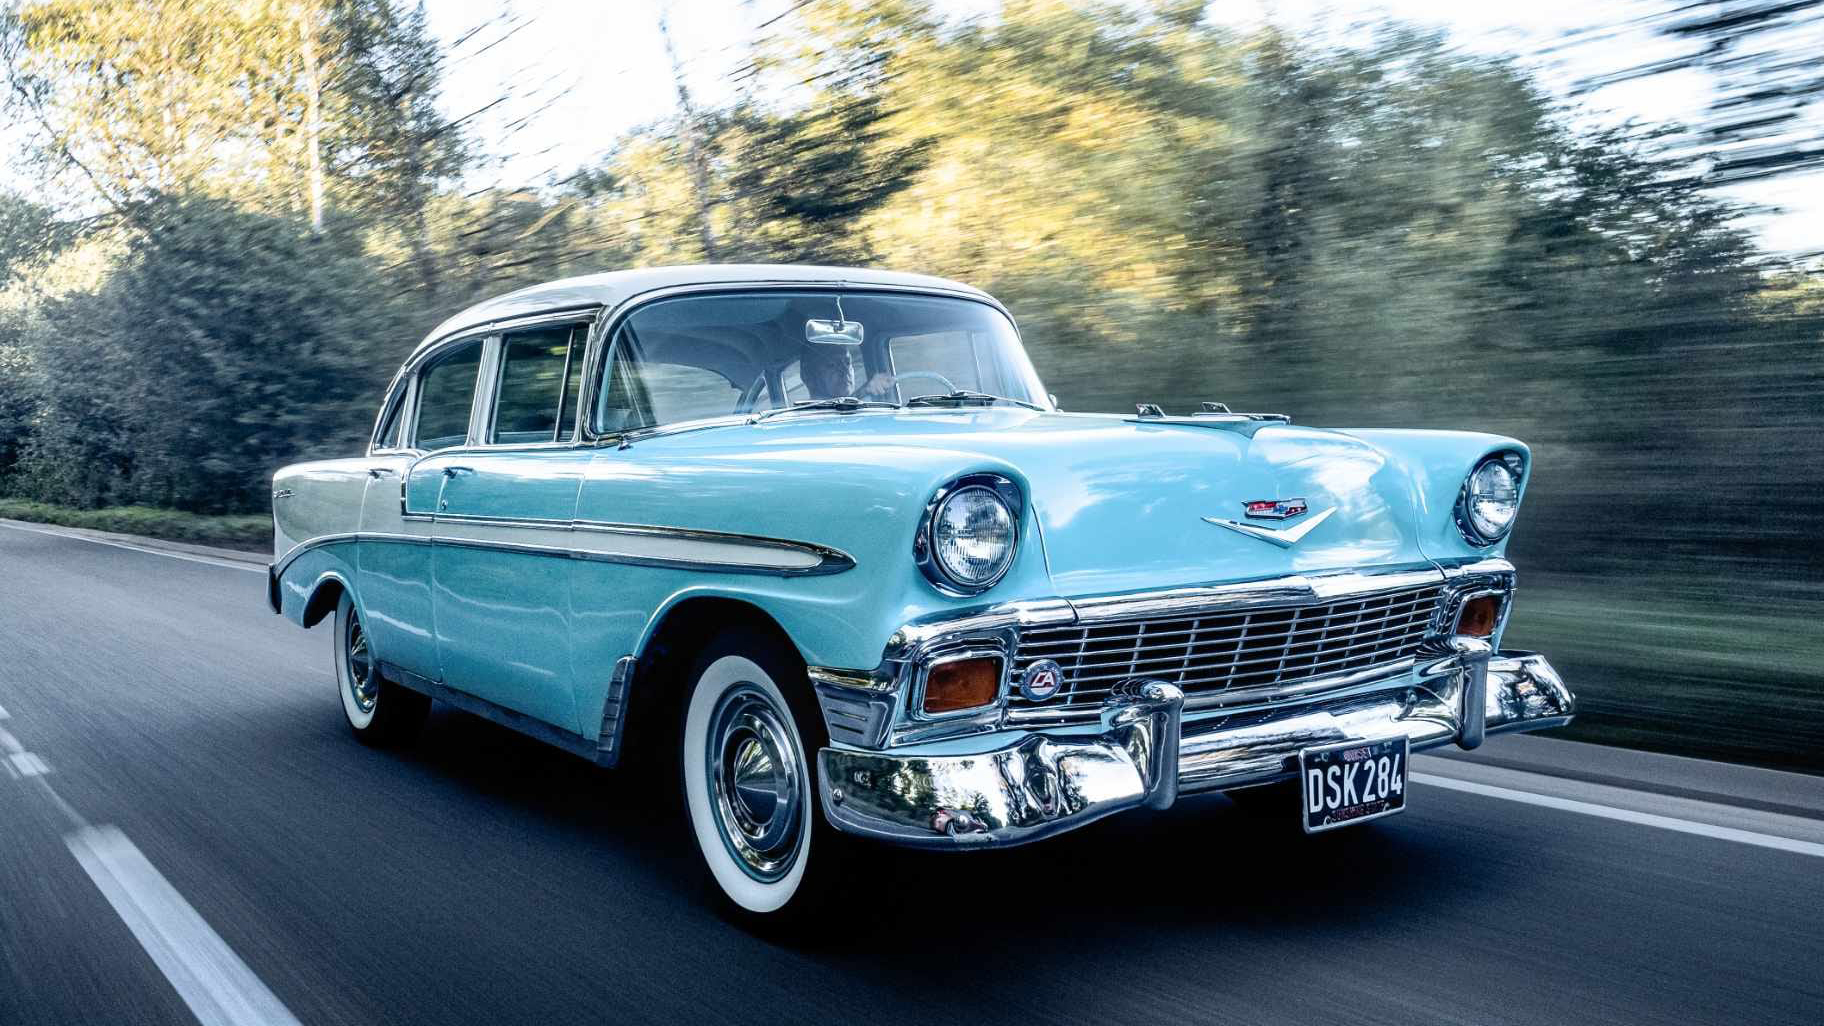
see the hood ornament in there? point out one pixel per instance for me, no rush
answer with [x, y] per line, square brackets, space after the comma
[1274, 509]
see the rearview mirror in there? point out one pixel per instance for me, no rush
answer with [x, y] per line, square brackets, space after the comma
[833, 333]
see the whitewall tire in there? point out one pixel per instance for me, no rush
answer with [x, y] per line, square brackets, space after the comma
[747, 747]
[378, 710]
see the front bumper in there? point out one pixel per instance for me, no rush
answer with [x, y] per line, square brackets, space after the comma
[1012, 787]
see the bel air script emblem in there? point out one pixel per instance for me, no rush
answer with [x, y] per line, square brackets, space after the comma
[1274, 509]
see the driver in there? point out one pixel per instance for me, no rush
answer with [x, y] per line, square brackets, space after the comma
[827, 373]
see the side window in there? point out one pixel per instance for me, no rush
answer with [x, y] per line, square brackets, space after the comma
[446, 392]
[665, 384]
[388, 435]
[537, 397]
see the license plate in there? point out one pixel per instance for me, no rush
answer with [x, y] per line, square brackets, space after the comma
[1352, 782]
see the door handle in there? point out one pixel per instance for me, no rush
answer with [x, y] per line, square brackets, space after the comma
[381, 472]
[453, 471]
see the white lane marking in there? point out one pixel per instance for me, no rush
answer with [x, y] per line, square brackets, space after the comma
[185, 556]
[1683, 826]
[28, 764]
[10, 743]
[4, 715]
[208, 975]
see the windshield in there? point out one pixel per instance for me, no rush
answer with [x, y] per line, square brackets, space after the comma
[716, 356]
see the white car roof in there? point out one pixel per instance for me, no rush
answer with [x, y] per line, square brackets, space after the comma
[612, 288]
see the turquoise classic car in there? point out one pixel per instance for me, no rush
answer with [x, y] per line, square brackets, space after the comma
[817, 541]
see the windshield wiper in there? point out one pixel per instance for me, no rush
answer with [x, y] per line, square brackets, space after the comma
[962, 396]
[841, 404]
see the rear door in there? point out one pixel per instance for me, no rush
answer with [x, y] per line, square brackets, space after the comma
[395, 546]
[503, 529]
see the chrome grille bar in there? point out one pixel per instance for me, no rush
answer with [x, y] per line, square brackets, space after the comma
[1233, 650]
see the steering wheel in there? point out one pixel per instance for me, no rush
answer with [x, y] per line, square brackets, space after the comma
[949, 386]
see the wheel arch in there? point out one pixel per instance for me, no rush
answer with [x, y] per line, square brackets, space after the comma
[325, 594]
[676, 634]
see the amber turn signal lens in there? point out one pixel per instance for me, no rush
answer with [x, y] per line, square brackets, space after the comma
[1478, 616]
[962, 684]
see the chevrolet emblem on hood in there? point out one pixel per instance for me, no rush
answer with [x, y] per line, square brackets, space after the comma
[1285, 538]
[1274, 509]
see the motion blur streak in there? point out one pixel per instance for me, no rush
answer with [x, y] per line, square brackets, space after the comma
[213, 981]
[1624, 815]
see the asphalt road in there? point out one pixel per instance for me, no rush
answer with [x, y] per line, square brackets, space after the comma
[480, 877]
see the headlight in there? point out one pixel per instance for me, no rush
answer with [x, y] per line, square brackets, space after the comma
[971, 529]
[1490, 499]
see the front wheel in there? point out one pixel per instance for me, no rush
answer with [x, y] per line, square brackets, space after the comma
[379, 711]
[751, 729]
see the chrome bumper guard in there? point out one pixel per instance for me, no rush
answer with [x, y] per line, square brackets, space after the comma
[1017, 786]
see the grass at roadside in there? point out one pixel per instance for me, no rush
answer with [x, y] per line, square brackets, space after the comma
[250, 532]
[1671, 671]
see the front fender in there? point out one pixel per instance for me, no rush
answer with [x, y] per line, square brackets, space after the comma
[1437, 463]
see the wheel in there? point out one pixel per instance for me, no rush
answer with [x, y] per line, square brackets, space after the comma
[379, 711]
[750, 734]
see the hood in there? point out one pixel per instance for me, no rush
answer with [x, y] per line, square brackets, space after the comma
[1120, 504]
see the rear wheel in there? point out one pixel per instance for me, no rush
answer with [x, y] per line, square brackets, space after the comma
[379, 711]
[751, 730]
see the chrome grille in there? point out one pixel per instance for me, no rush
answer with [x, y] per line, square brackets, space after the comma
[1235, 649]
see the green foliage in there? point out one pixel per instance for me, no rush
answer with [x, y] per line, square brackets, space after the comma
[250, 531]
[225, 344]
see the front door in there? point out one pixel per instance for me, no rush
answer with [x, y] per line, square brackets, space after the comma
[502, 531]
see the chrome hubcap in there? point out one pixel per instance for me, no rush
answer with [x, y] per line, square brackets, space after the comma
[756, 782]
[362, 683]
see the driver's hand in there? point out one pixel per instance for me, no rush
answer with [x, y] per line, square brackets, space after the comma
[876, 387]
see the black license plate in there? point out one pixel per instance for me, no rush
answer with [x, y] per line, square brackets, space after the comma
[1352, 782]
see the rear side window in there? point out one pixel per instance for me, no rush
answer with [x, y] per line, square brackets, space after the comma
[446, 393]
[388, 436]
[537, 397]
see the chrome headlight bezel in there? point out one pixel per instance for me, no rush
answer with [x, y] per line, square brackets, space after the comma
[925, 545]
[1473, 528]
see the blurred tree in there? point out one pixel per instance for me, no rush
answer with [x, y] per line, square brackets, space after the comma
[275, 103]
[395, 147]
[27, 235]
[224, 344]
[1765, 63]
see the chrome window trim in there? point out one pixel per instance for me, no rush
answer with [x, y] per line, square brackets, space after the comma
[399, 394]
[408, 370]
[480, 443]
[417, 376]
[487, 386]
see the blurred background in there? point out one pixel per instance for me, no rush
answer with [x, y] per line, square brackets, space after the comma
[1595, 226]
